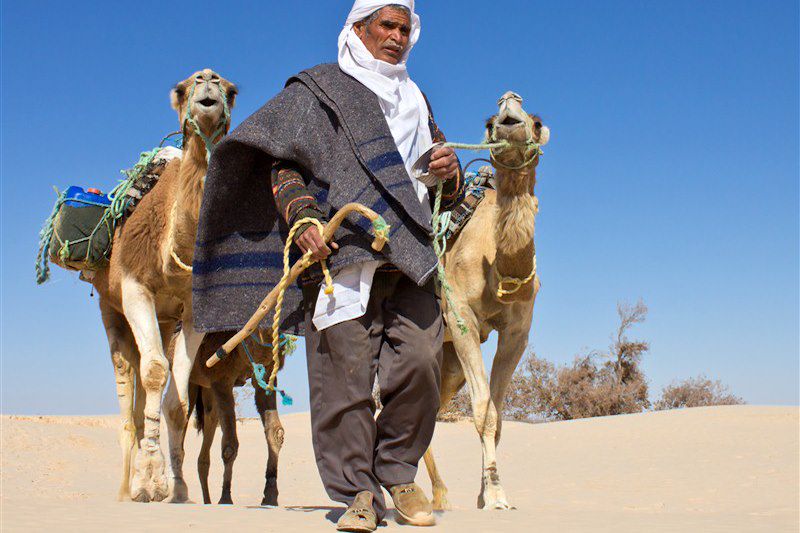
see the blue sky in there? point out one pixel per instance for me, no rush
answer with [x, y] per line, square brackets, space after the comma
[671, 175]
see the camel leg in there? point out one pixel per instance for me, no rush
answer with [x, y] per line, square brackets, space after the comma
[123, 356]
[452, 381]
[226, 410]
[266, 404]
[484, 413]
[177, 423]
[207, 423]
[149, 482]
[176, 407]
[510, 347]
[187, 342]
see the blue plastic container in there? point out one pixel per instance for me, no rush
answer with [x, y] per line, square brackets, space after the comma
[79, 198]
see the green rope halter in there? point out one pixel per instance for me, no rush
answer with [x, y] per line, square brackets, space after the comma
[189, 119]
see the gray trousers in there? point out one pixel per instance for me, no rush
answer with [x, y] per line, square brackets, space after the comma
[400, 339]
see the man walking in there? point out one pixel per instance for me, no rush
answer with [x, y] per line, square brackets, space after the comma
[347, 132]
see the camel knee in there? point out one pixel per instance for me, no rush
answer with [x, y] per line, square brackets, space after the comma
[229, 452]
[484, 416]
[203, 465]
[121, 365]
[154, 376]
[275, 436]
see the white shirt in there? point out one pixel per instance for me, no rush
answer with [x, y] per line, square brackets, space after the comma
[406, 113]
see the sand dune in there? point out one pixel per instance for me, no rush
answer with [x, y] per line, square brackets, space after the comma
[710, 469]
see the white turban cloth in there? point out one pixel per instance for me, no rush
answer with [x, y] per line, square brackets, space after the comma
[407, 115]
[401, 100]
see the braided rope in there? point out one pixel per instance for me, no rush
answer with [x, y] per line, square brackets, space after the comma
[516, 283]
[306, 262]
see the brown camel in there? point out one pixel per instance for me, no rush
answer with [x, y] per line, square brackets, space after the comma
[212, 390]
[496, 244]
[146, 288]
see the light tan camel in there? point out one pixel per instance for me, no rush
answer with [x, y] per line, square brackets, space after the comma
[496, 243]
[145, 290]
[212, 390]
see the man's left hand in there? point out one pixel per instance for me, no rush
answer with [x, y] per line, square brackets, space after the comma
[444, 164]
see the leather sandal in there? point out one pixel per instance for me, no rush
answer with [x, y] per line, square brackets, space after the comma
[360, 517]
[412, 505]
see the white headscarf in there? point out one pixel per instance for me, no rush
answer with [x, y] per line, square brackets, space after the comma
[401, 100]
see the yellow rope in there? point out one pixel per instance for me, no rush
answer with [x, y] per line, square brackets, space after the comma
[178, 261]
[516, 283]
[276, 321]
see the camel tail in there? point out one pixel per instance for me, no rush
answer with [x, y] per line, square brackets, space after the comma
[199, 420]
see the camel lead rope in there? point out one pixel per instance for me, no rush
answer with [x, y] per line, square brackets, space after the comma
[276, 321]
[439, 222]
[381, 229]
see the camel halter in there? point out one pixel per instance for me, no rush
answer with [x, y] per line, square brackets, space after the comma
[224, 122]
[442, 219]
[207, 140]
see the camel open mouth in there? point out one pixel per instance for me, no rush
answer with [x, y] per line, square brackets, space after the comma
[208, 102]
[510, 121]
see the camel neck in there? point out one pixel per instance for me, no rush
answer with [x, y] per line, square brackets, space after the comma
[193, 170]
[186, 208]
[516, 219]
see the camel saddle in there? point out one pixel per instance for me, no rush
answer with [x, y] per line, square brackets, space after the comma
[476, 185]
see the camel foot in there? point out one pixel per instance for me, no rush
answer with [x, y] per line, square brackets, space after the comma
[494, 499]
[179, 493]
[440, 502]
[149, 484]
[270, 500]
[225, 499]
[270, 493]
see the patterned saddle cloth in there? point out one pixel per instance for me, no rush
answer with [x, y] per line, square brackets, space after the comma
[476, 185]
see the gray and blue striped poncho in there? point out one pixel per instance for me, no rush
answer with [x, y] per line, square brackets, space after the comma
[333, 127]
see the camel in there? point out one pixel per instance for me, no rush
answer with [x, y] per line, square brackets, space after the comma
[211, 395]
[496, 244]
[146, 288]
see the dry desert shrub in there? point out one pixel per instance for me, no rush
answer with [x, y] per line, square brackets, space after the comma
[600, 383]
[597, 384]
[696, 392]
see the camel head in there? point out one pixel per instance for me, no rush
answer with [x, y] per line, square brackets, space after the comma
[203, 102]
[523, 131]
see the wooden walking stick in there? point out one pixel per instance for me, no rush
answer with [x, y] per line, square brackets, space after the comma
[275, 296]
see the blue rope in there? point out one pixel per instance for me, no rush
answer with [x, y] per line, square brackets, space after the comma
[260, 371]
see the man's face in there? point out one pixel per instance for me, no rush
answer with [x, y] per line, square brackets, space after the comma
[386, 37]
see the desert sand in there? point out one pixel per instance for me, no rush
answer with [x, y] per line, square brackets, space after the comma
[708, 469]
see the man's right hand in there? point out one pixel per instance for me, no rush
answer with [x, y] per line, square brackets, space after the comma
[311, 239]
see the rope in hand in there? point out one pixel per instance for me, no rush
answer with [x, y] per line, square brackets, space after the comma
[284, 282]
[381, 229]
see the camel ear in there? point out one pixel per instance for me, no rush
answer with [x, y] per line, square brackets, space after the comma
[231, 93]
[176, 98]
[544, 136]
